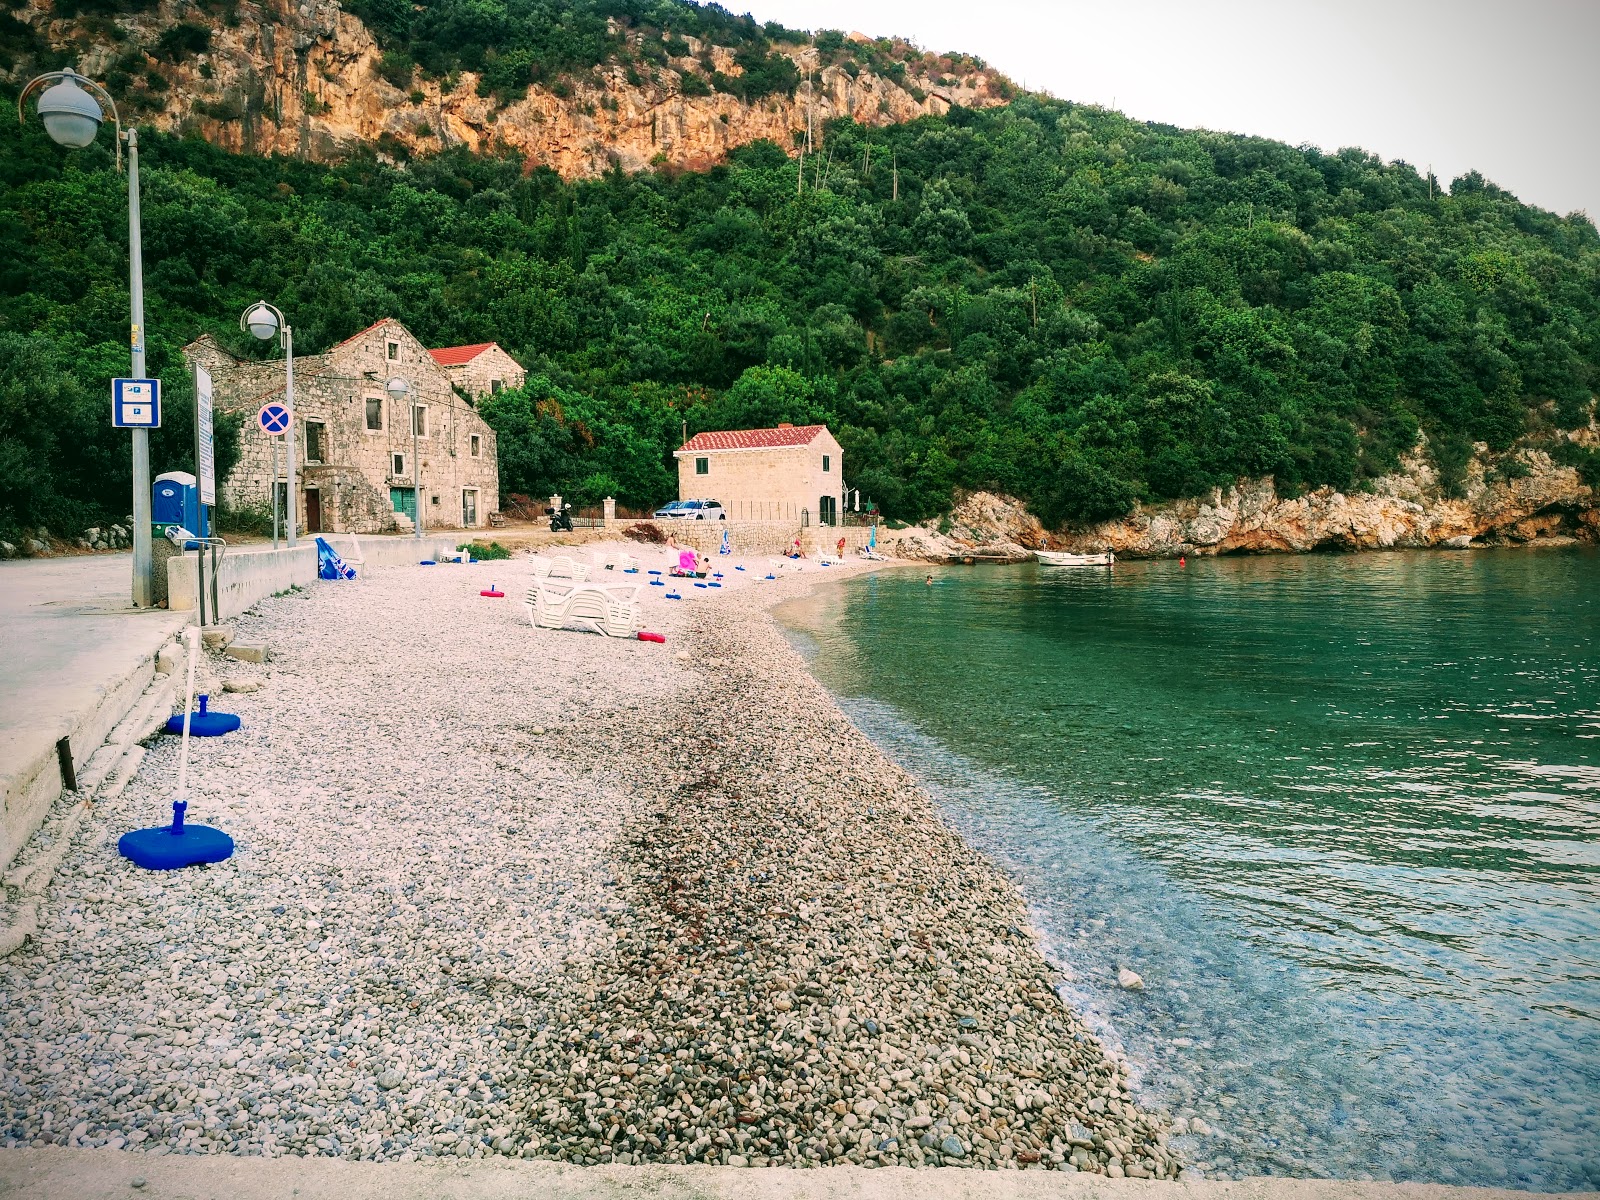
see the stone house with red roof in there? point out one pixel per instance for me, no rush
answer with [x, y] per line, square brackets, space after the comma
[481, 369]
[790, 473]
[354, 441]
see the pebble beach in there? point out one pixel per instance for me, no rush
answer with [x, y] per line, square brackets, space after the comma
[512, 891]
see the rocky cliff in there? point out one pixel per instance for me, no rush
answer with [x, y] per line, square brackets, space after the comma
[302, 78]
[1516, 498]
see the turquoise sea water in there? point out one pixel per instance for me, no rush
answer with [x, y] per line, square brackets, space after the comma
[1341, 813]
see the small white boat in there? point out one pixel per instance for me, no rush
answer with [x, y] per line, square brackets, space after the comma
[1052, 558]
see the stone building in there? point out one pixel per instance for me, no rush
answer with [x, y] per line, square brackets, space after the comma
[791, 473]
[479, 370]
[354, 440]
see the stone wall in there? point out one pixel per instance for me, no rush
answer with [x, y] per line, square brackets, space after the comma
[753, 538]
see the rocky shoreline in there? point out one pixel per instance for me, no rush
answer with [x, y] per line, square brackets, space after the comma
[1522, 498]
[517, 892]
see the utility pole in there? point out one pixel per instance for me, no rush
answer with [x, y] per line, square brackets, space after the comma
[894, 163]
[811, 107]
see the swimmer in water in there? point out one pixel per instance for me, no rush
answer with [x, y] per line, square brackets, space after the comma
[928, 581]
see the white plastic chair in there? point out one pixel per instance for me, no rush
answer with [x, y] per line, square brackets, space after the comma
[564, 567]
[608, 609]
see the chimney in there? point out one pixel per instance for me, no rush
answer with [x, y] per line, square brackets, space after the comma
[785, 424]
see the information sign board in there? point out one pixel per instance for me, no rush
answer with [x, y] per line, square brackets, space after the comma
[205, 447]
[136, 403]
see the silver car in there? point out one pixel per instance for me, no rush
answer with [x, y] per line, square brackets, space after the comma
[691, 510]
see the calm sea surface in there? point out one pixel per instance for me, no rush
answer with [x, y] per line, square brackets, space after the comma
[1341, 813]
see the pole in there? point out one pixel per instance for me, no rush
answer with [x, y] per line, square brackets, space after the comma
[272, 493]
[203, 530]
[143, 552]
[289, 521]
[416, 463]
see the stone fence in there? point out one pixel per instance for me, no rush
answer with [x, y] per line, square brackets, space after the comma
[757, 538]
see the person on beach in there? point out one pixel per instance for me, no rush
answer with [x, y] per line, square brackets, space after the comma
[841, 547]
[795, 551]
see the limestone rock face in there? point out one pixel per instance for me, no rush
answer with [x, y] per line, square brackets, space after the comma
[994, 526]
[301, 79]
[1403, 510]
[1519, 497]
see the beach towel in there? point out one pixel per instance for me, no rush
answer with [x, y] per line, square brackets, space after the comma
[330, 565]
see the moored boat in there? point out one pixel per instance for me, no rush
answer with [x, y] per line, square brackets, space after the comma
[1054, 558]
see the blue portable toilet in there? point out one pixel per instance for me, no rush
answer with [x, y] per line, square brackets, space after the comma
[175, 500]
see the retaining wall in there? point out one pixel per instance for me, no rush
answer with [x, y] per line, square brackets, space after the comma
[246, 575]
[761, 537]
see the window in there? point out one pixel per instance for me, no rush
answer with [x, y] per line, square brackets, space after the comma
[316, 434]
[393, 351]
[494, 386]
[469, 506]
[702, 466]
[419, 420]
[397, 464]
[825, 463]
[374, 413]
[476, 444]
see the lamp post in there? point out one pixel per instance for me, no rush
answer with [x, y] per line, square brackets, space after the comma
[72, 117]
[266, 321]
[400, 389]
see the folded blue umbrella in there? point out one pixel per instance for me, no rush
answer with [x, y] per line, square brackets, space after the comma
[330, 565]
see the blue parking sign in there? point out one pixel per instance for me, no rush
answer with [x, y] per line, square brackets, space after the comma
[136, 403]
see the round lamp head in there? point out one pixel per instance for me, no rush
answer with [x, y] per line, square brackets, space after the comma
[397, 387]
[71, 115]
[262, 322]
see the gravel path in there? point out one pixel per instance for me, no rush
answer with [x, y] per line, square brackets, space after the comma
[505, 890]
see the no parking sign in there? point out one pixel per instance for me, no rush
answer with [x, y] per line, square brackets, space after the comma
[273, 419]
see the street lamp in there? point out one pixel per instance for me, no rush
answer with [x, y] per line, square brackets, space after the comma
[400, 389]
[72, 117]
[265, 321]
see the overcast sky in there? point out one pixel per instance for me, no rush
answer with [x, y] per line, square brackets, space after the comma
[1511, 88]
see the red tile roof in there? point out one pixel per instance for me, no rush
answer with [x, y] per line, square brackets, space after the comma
[454, 356]
[755, 439]
[364, 332]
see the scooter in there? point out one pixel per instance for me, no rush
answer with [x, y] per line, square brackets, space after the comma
[560, 521]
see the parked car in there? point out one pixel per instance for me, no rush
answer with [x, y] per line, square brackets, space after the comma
[691, 510]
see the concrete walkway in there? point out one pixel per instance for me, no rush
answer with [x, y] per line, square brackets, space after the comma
[57, 1174]
[75, 656]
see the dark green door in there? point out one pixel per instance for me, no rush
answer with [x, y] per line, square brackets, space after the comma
[404, 501]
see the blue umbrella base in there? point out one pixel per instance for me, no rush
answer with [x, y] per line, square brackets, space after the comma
[159, 849]
[206, 724]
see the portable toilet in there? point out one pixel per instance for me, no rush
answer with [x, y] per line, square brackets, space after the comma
[175, 500]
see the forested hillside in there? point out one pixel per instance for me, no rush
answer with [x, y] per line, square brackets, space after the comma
[1045, 299]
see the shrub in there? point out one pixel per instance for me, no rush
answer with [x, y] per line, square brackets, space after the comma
[485, 551]
[1586, 460]
[645, 531]
[182, 41]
